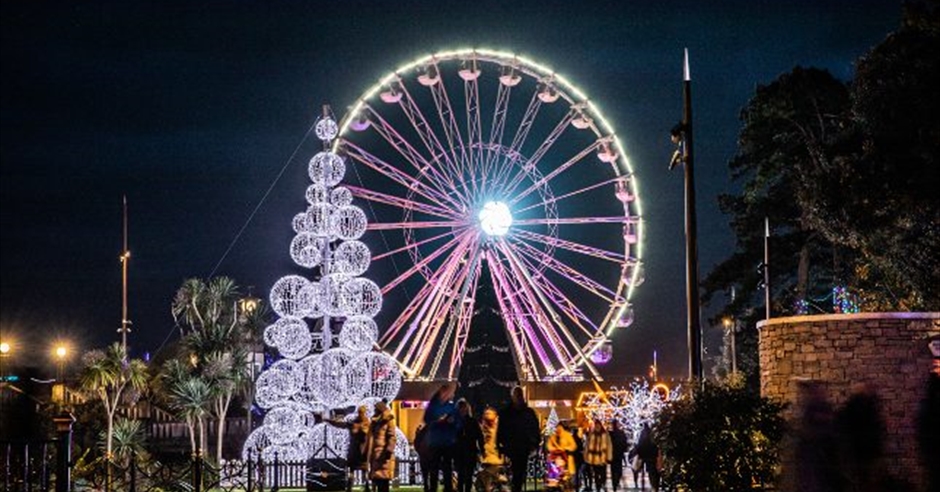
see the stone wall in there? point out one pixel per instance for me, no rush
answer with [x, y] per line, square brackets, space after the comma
[887, 351]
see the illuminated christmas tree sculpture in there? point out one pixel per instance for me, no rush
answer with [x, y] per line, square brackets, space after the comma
[317, 374]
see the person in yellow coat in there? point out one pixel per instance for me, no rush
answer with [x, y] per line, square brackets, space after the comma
[561, 444]
[382, 440]
[598, 451]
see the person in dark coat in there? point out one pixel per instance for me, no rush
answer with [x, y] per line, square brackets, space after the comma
[518, 436]
[648, 452]
[469, 445]
[442, 421]
[619, 447]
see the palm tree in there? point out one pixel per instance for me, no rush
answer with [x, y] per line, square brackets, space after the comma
[111, 377]
[190, 397]
[217, 341]
[129, 439]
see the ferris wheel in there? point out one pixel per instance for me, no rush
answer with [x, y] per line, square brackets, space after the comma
[485, 170]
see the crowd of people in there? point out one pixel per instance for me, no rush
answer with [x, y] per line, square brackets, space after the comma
[495, 450]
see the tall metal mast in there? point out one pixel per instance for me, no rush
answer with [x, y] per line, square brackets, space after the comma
[125, 257]
[682, 136]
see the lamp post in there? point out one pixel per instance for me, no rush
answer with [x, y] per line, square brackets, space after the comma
[682, 137]
[60, 353]
[731, 327]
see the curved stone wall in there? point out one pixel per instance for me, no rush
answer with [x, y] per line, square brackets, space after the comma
[887, 351]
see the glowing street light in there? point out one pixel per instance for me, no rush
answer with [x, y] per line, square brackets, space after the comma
[61, 352]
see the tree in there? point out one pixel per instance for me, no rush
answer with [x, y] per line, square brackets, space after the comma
[189, 396]
[129, 439]
[721, 436]
[218, 338]
[112, 378]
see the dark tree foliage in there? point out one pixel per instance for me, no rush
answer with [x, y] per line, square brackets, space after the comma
[720, 437]
[848, 175]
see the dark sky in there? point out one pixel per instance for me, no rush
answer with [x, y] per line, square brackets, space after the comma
[192, 109]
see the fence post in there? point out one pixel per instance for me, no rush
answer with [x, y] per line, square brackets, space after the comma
[277, 474]
[197, 471]
[63, 460]
[133, 470]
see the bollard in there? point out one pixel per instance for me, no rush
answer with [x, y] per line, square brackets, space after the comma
[63, 463]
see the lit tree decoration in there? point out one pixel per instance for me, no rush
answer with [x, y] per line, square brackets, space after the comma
[632, 407]
[314, 376]
[550, 422]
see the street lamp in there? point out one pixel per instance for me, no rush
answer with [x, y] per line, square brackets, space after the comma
[61, 352]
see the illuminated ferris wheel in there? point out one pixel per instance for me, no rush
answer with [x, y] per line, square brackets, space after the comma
[483, 169]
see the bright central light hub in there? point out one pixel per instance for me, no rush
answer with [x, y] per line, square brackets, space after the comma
[495, 218]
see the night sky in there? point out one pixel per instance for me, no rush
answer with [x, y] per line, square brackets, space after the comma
[191, 109]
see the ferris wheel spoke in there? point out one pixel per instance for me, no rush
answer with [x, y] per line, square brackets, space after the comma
[419, 306]
[408, 152]
[384, 226]
[420, 124]
[434, 194]
[550, 319]
[537, 155]
[555, 199]
[569, 245]
[415, 245]
[555, 172]
[452, 135]
[445, 299]
[454, 311]
[464, 309]
[513, 308]
[617, 219]
[456, 241]
[402, 203]
[568, 307]
[500, 111]
[416, 303]
[474, 124]
[566, 271]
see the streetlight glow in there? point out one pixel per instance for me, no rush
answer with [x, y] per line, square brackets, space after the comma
[4, 348]
[61, 352]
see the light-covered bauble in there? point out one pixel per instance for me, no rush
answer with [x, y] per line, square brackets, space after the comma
[327, 169]
[331, 294]
[289, 297]
[325, 377]
[322, 337]
[326, 128]
[374, 374]
[312, 292]
[402, 447]
[317, 219]
[317, 194]
[348, 222]
[278, 383]
[351, 258]
[290, 336]
[359, 333]
[329, 441]
[361, 297]
[341, 196]
[306, 392]
[306, 249]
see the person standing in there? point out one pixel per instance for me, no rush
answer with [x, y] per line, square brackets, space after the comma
[490, 459]
[598, 451]
[441, 420]
[561, 446]
[648, 452]
[382, 440]
[357, 453]
[518, 436]
[619, 446]
[469, 445]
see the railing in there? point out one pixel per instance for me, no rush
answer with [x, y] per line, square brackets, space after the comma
[26, 466]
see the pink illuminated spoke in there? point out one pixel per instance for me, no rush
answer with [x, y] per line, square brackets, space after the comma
[570, 246]
[462, 238]
[555, 172]
[402, 203]
[566, 271]
[384, 226]
[619, 219]
[414, 245]
[569, 194]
